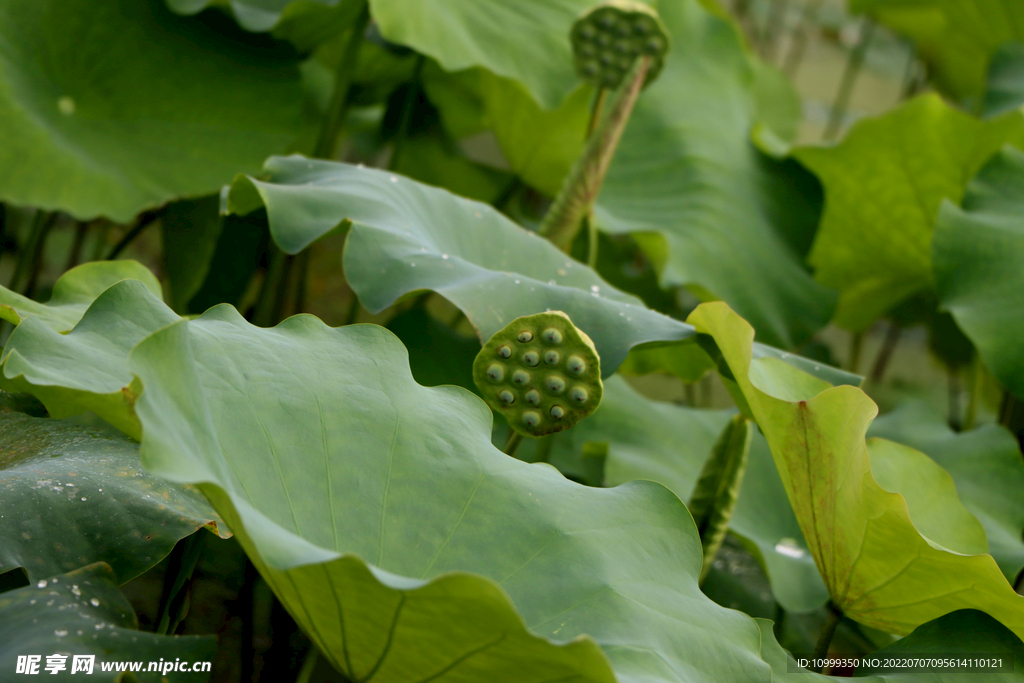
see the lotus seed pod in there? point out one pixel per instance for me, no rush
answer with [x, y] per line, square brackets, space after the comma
[617, 31]
[495, 372]
[530, 386]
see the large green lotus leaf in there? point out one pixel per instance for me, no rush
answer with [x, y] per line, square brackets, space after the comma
[957, 38]
[884, 184]
[364, 498]
[879, 569]
[969, 633]
[73, 495]
[405, 236]
[710, 209]
[85, 369]
[978, 254]
[108, 107]
[73, 293]
[986, 465]
[83, 613]
[669, 444]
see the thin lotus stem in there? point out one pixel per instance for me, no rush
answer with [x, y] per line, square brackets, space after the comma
[592, 241]
[773, 29]
[954, 419]
[25, 254]
[514, 439]
[544, 449]
[352, 312]
[856, 346]
[145, 220]
[1019, 583]
[177, 581]
[827, 631]
[309, 665]
[581, 187]
[31, 261]
[81, 230]
[850, 73]
[337, 109]
[301, 281]
[1007, 407]
[407, 106]
[596, 109]
[268, 308]
[975, 388]
[892, 337]
[799, 45]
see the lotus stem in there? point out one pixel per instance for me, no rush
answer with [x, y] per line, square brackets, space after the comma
[514, 439]
[337, 109]
[581, 187]
[827, 632]
[849, 79]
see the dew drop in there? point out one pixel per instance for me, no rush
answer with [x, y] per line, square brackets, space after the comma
[595, 288]
[789, 548]
[817, 367]
[94, 602]
[66, 105]
[444, 256]
[84, 499]
[552, 282]
[60, 633]
[394, 179]
[76, 591]
[561, 271]
[42, 584]
[517, 282]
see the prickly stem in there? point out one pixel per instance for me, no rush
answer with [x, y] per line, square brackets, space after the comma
[583, 184]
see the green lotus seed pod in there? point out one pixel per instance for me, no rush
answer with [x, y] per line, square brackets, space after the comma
[532, 397]
[495, 372]
[630, 28]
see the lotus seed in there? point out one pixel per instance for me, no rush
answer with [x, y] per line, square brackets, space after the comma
[557, 412]
[576, 365]
[642, 26]
[521, 377]
[525, 337]
[532, 397]
[555, 384]
[579, 395]
[552, 357]
[654, 45]
[603, 40]
[531, 419]
[531, 358]
[552, 336]
[495, 372]
[587, 32]
[607, 58]
[623, 47]
[506, 397]
[505, 351]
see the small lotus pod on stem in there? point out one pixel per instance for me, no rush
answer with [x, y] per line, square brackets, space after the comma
[541, 372]
[619, 45]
